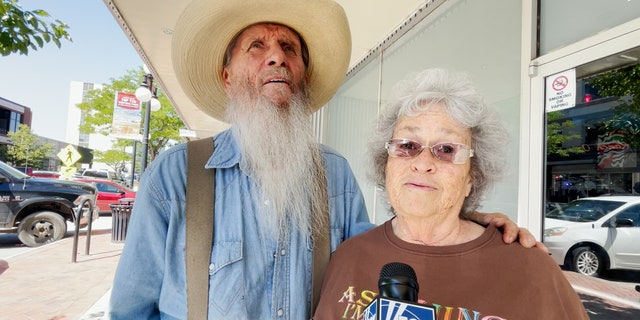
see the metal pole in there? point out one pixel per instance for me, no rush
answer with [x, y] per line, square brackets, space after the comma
[147, 117]
[133, 163]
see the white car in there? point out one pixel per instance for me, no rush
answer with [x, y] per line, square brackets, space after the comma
[591, 235]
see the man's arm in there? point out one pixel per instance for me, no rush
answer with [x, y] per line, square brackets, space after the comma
[136, 287]
[510, 229]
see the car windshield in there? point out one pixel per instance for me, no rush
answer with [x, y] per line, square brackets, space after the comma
[13, 171]
[584, 210]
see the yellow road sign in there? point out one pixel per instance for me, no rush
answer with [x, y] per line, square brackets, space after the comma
[69, 155]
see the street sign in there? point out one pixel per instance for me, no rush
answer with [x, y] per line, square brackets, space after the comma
[69, 155]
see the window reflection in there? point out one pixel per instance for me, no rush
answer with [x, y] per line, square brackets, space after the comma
[592, 148]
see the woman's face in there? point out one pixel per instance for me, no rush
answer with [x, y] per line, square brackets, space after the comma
[423, 185]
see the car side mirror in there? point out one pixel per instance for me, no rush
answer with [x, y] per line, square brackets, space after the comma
[623, 223]
[611, 223]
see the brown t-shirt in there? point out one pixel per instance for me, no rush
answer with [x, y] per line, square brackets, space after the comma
[484, 279]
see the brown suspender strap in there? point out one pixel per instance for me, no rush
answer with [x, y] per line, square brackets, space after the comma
[321, 235]
[199, 226]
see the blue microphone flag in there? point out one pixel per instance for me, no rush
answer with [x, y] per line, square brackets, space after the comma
[383, 308]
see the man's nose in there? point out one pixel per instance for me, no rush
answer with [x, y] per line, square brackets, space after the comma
[276, 56]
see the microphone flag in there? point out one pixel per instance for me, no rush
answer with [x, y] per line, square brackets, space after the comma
[383, 308]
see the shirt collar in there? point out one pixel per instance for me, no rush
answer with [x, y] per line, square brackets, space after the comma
[226, 152]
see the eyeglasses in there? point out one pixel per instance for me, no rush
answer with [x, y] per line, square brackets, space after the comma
[455, 153]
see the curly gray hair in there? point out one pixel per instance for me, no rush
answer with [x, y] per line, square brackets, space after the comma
[464, 105]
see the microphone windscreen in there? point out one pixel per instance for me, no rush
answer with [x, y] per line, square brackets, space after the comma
[393, 269]
[398, 281]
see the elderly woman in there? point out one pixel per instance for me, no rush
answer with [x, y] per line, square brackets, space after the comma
[437, 151]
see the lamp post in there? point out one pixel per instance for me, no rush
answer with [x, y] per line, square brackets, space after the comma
[146, 93]
[133, 164]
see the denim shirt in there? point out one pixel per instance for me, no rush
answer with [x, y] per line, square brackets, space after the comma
[249, 277]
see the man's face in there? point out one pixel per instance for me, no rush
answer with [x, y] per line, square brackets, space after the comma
[267, 61]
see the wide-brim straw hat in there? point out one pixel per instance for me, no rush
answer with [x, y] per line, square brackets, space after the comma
[205, 29]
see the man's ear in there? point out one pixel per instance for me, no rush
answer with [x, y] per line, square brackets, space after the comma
[225, 78]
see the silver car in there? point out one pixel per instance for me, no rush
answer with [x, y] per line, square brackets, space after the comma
[591, 235]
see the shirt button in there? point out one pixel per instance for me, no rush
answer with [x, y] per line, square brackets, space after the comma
[211, 267]
[283, 252]
[280, 312]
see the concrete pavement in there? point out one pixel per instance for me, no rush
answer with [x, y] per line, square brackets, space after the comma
[44, 284]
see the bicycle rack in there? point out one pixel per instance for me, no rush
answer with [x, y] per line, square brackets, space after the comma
[77, 230]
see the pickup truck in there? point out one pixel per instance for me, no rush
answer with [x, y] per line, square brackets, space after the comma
[37, 209]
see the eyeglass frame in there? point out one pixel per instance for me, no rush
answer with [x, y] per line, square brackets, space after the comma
[458, 147]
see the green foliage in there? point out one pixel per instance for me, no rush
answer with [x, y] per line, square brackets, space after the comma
[27, 150]
[556, 136]
[98, 110]
[619, 83]
[21, 31]
[116, 158]
[623, 83]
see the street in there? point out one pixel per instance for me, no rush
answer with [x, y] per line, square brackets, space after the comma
[612, 296]
[10, 245]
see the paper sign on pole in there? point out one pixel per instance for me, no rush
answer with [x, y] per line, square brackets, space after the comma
[126, 116]
[560, 91]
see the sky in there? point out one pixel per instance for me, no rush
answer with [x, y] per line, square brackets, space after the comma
[100, 51]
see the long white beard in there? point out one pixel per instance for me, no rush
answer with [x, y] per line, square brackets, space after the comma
[278, 149]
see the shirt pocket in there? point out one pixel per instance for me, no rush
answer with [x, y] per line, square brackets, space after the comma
[226, 279]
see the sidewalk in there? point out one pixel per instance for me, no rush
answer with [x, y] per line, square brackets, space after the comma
[44, 283]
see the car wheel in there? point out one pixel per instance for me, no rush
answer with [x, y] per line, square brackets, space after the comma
[41, 228]
[587, 261]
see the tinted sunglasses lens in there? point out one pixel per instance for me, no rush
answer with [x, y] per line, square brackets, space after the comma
[445, 151]
[403, 148]
[450, 152]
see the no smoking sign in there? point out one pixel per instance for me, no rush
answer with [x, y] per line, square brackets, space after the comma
[560, 91]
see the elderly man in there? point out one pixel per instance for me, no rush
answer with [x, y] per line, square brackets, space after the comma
[264, 66]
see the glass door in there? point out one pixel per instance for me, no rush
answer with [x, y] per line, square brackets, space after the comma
[577, 118]
[593, 135]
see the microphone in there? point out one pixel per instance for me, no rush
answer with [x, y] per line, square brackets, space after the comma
[398, 287]
[398, 281]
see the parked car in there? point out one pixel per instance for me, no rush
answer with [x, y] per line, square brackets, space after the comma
[37, 209]
[591, 235]
[101, 174]
[45, 174]
[109, 192]
[98, 173]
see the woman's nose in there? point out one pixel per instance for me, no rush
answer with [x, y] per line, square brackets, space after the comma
[424, 162]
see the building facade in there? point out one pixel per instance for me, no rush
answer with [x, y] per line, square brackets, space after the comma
[562, 144]
[12, 114]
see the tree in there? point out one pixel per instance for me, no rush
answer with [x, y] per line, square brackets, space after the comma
[556, 136]
[21, 31]
[114, 158]
[27, 150]
[98, 110]
[623, 83]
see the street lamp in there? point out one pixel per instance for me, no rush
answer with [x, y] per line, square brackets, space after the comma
[147, 93]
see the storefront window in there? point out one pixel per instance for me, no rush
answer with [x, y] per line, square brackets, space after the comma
[592, 148]
[567, 21]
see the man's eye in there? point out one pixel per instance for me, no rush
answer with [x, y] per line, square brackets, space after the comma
[289, 48]
[256, 45]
